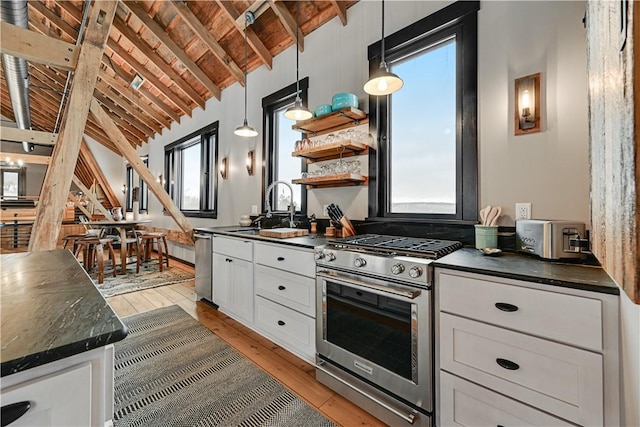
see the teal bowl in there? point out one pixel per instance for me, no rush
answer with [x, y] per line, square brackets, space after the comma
[322, 109]
[344, 100]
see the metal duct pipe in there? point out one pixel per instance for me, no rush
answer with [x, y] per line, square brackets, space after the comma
[15, 69]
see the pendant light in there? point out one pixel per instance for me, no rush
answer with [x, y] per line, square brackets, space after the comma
[245, 130]
[297, 111]
[383, 82]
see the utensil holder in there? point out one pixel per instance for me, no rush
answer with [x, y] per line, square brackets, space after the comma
[486, 236]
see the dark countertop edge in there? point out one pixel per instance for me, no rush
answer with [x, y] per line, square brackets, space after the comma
[58, 353]
[536, 279]
[288, 241]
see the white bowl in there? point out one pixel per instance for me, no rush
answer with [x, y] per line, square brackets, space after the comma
[245, 222]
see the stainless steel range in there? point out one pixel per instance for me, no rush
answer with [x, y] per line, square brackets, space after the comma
[374, 324]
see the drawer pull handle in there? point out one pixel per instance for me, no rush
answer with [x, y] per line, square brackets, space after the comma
[228, 260]
[506, 307]
[282, 288]
[507, 364]
[280, 258]
[281, 323]
[12, 412]
[359, 293]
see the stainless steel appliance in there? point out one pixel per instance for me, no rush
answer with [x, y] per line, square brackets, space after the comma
[551, 239]
[374, 323]
[204, 263]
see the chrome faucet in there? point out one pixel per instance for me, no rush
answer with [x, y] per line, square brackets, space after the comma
[291, 205]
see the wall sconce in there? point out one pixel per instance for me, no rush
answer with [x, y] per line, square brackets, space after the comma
[251, 161]
[124, 188]
[224, 168]
[527, 102]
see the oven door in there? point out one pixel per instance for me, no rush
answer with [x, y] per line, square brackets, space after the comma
[378, 330]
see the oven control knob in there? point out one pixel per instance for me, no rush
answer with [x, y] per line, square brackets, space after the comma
[415, 272]
[360, 262]
[330, 256]
[397, 268]
[319, 255]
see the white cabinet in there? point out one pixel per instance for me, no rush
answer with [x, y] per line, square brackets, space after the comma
[285, 297]
[233, 277]
[517, 352]
[73, 391]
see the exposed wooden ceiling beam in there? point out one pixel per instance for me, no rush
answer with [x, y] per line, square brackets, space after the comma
[134, 99]
[288, 21]
[57, 181]
[136, 163]
[79, 205]
[176, 50]
[34, 136]
[257, 8]
[153, 57]
[34, 47]
[101, 138]
[150, 78]
[27, 158]
[108, 103]
[252, 38]
[341, 11]
[67, 31]
[212, 44]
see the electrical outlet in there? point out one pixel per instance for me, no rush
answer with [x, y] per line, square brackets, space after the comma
[523, 211]
[325, 211]
[254, 209]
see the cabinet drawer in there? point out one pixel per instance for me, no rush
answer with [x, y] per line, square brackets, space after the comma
[566, 318]
[291, 290]
[467, 404]
[237, 248]
[60, 399]
[556, 378]
[292, 330]
[295, 260]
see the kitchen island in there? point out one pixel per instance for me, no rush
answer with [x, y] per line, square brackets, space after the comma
[57, 336]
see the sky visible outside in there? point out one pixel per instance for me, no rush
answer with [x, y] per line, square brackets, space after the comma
[191, 181]
[423, 139]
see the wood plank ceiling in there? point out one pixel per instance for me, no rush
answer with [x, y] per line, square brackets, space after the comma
[186, 52]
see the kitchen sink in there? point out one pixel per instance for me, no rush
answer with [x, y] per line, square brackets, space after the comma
[250, 231]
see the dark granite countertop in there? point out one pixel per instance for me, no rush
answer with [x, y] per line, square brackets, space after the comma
[50, 310]
[305, 242]
[519, 266]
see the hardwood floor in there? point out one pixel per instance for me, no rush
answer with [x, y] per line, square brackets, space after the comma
[293, 372]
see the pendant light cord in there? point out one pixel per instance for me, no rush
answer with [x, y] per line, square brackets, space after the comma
[246, 59]
[297, 50]
[382, 62]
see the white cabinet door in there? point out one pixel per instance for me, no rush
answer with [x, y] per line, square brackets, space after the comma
[60, 399]
[233, 286]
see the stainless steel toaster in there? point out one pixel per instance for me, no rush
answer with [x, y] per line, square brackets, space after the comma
[551, 239]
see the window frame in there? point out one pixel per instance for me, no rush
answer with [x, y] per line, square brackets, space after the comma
[143, 196]
[208, 170]
[460, 20]
[22, 181]
[270, 104]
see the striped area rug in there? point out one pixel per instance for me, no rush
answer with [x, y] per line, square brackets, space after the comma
[172, 371]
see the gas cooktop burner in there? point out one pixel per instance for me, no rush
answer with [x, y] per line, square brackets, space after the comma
[412, 246]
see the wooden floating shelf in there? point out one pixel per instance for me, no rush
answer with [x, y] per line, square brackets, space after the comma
[340, 180]
[333, 121]
[332, 151]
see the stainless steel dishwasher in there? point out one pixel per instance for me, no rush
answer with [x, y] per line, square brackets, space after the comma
[204, 266]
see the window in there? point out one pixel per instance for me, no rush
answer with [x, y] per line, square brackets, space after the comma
[426, 163]
[278, 144]
[143, 190]
[13, 180]
[190, 167]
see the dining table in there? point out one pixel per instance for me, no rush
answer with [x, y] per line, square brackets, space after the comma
[122, 226]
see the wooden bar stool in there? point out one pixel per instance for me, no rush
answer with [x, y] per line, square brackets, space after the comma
[147, 239]
[92, 248]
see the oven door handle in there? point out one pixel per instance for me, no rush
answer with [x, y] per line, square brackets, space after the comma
[408, 294]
